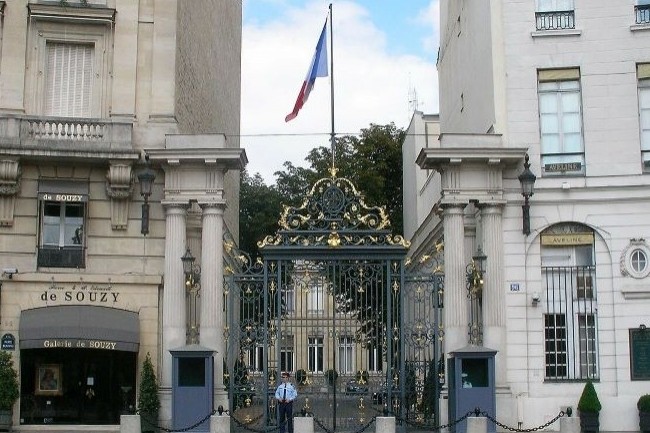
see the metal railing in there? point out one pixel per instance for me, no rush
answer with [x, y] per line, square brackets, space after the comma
[642, 14]
[555, 20]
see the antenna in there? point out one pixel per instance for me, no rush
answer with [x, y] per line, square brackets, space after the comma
[413, 100]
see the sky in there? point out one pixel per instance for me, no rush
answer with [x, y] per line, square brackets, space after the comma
[384, 67]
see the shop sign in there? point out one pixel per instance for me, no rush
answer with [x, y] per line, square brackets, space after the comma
[562, 167]
[61, 343]
[566, 239]
[8, 342]
[80, 293]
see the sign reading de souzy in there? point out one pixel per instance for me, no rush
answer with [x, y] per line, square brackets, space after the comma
[80, 292]
[51, 196]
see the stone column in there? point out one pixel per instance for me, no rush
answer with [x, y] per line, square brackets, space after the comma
[456, 318]
[174, 320]
[212, 311]
[494, 299]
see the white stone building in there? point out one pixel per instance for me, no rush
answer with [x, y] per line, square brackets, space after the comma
[92, 93]
[566, 82]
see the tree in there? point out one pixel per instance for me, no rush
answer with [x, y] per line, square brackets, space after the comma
[148, 401]
[372, 161]
[259, 211]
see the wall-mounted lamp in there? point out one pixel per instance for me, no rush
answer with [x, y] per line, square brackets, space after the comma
[146, 177]
[527, 179]
[192, 273]
[476, 269]
[535, 299]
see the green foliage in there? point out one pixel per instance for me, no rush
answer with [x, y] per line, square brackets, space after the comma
[301, 377]
[644, 403]
[148, 401]
[372, 161]
[259, 212]
[8, 381]
[589, 402]
[429, 392]
[331, 375]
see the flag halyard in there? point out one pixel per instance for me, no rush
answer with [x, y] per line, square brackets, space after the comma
[317, 68]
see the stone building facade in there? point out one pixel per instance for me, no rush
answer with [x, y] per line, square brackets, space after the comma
[565, 82]
[92, 94]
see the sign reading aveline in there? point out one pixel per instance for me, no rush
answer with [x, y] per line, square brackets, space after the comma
[562, 167]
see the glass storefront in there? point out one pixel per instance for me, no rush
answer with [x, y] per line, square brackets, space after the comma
[76, 386]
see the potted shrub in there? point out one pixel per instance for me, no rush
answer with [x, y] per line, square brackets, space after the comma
[148, 401]
[301, 377]
[589, 408]
[331, 375]
[8, 389]
[644, 413]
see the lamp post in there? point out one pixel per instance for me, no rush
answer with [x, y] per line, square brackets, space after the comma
[527, 179]
[474, 272]
[193, 286]
[146, 178]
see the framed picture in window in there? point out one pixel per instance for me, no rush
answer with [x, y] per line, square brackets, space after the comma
[48, 379]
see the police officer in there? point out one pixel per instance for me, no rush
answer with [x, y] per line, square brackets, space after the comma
[285, 394]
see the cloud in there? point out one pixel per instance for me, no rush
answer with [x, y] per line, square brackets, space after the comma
[370, 85]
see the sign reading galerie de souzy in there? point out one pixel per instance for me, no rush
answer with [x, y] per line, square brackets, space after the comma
[80, 292]
[79, 344]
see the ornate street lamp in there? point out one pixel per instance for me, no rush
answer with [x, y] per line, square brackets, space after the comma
[474, 272]
[146, 178]
[193, 286]
[527, 179]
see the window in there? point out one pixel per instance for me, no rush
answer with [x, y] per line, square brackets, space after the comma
[560, 118]
[642, 11]
[62, 221]
[256, 358]
[374, 359]
[569, 280]
[346, 354]
[286, 354]
[70, 61]
[315, 354]
[643, 76]
[289, 299]
[639, 261]
[315, 299]
[68, 80]
[555, 15]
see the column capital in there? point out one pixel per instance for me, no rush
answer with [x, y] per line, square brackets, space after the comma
[453, 208]
[495, 208]
[175, 206]
[212, 206]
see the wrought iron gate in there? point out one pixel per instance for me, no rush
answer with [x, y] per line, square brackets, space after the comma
[334, 301]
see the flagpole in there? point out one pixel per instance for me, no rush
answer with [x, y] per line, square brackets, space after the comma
[332, 141]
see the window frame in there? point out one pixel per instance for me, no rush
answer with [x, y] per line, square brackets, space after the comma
[643, 88]
[316, 354]
[94, 31]
[560, 163]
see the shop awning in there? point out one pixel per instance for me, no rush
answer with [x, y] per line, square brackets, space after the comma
[79, 327]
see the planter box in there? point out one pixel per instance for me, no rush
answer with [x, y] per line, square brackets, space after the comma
[644, 422]
[589, 422]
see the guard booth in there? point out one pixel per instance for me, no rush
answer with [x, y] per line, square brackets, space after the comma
[192, 387]
[471, 384]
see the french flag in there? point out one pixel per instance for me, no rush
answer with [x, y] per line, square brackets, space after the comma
[317, 68]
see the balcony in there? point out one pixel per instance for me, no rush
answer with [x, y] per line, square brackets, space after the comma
[47, 136]
[555, 20]
[63, 257]
[642, 14]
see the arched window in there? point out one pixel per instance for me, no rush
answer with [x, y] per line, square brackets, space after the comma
[570, 316]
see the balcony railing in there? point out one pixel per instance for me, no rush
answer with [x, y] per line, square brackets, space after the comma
[555, 20]
[65, 133]
[64, 257]
[642, 13]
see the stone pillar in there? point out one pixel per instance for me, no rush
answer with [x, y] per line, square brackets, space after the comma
[456, 315]
[494, 299]
[385, 424]
[212, 311]
[476, 424]
[174, 320]
[220, 424]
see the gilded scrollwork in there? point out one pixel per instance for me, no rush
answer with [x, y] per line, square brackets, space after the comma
[334, 214]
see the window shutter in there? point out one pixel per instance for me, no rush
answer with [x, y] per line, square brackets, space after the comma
[643, 71]
[546, 75]
[68, 86]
